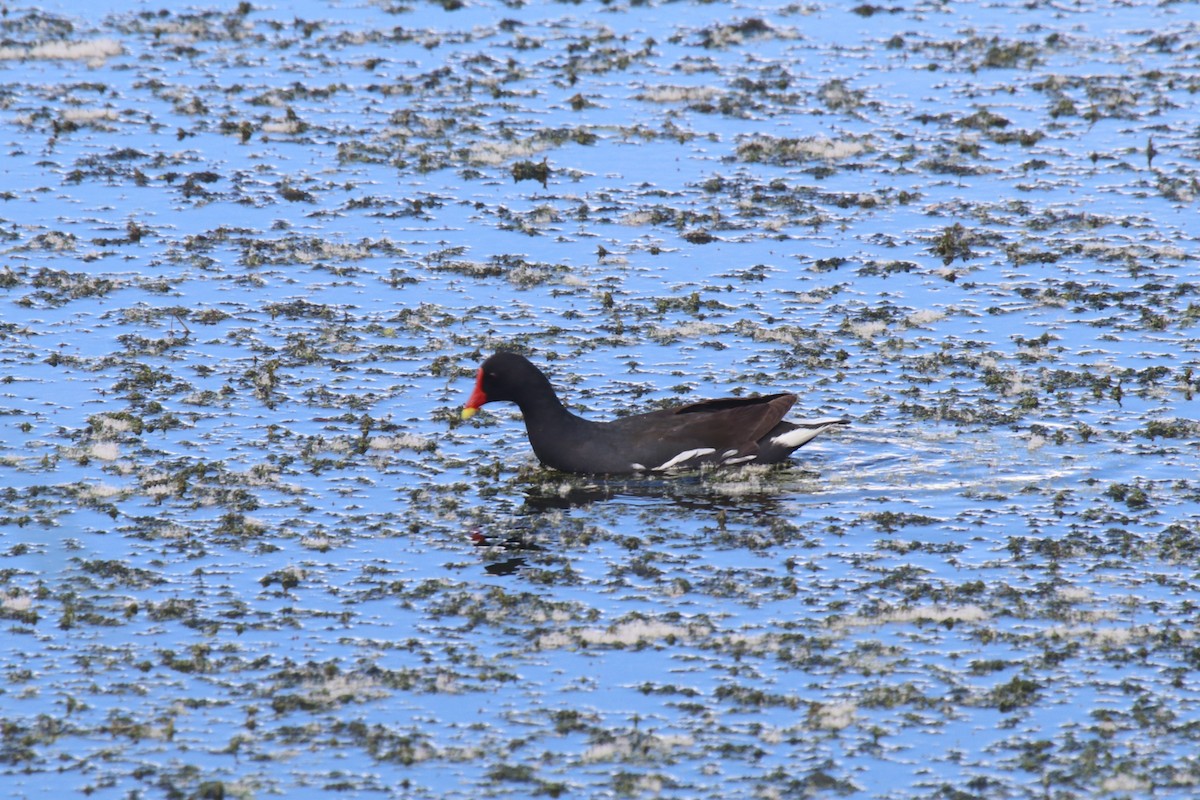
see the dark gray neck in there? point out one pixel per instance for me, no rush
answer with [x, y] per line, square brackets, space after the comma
[552, 428]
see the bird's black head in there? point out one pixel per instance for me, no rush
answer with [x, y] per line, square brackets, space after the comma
[506, 377]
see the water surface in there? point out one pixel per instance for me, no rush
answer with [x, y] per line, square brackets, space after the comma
[252, 256]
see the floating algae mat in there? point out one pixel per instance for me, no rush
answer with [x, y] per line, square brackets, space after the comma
[253, 255]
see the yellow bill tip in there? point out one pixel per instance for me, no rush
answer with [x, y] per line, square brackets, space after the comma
[469, 412]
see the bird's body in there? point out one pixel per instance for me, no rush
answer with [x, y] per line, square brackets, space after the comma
[721, 432]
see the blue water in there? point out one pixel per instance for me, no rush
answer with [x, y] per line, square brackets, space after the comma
[252, 259]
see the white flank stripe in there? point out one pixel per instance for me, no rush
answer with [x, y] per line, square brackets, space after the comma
[739, 460]
[686, 455]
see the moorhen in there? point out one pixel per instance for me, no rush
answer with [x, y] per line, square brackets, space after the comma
[733, 430]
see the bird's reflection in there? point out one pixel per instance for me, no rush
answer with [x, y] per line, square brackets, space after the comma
[508, 566]
[518, 539]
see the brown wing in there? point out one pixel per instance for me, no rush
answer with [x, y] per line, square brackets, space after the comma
[751, 417]
[701, 432]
